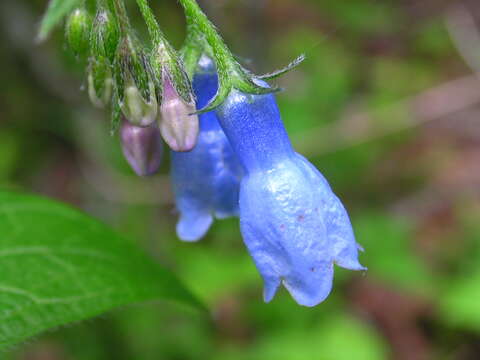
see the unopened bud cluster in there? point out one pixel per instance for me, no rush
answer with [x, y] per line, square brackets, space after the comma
[150, 89]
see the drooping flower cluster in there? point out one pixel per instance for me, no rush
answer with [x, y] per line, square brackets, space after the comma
[231, 155]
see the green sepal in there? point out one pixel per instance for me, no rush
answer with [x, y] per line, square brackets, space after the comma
[234, 76]
[231, 75]
[284, 70]
[115, 116]
[166, 61]
[100, 82]
[250, 87]
[222, 93]
[131, 65]
[105, 35]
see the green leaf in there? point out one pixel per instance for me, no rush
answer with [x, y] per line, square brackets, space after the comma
[58, 266]
[56, 11]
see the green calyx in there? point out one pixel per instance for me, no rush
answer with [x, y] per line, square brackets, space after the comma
[166, 63]
[132, 68]
[102, 30]
[164, 60]
[100, 82]
[105, 35]
[231, 75]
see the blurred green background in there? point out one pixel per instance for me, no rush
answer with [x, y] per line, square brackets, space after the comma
[387, 106]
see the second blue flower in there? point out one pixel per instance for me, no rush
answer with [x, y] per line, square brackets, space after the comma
[206, 179]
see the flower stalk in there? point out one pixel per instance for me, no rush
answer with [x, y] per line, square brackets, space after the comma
[231, 75]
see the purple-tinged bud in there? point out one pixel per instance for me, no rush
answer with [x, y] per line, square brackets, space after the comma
[179, 127]
[136, 109]
[142, 148]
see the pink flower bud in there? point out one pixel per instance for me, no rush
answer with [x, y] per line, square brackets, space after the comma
[178, 126]
[142, 148]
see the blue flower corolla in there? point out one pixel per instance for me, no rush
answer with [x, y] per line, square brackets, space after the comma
[293, 225]
[206, 180]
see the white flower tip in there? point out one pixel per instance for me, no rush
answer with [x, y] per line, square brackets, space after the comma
[136, 109]
[193, 228]
[100, 100]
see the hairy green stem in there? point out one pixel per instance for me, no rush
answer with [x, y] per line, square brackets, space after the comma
[231, 75]
[154, 30]
[198, 21]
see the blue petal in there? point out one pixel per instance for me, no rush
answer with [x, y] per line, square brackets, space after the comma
[253, 126]
[194, 225]
[283, 225]
[293, 225]
[339, 228]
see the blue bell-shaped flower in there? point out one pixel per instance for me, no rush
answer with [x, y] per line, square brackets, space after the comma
[206, 179]
[293, 225]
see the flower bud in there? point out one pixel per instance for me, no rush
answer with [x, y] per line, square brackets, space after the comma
[179, 127]
[142, 148]
[136, 109]
[77, 31]
[135, 83]
[105, 35]
[100, 82]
